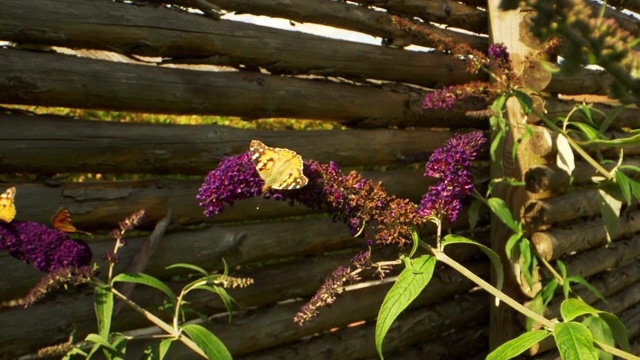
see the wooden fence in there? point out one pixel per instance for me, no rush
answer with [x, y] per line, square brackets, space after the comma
[182, 58]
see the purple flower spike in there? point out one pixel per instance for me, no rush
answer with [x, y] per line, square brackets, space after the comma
[499, 53]
[440, 99]
[235, 178]
[451, 165]
[45, 248]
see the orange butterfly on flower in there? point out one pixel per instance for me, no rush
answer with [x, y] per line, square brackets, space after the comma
[62, 221]
[7, 207]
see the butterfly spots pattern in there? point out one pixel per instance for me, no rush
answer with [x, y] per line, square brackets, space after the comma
[280, 169]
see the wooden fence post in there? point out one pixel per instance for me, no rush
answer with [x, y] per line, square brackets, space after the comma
[510, 28]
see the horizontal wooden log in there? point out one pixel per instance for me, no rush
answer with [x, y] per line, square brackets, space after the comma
[156, 31]
[260, 324]
[594, 82]
[541, 213]
[550, 177]
[346, 16]
[31, 78]
[468, 342]
[448, 12]
[552, 244]
[417, 327]
[45, 145]
[591, 262]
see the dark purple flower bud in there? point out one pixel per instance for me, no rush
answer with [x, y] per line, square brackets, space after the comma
[45, 248]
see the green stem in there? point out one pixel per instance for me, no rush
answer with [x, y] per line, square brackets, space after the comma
[614, 351]
[441, 256]
[161, 324]
[551, 269]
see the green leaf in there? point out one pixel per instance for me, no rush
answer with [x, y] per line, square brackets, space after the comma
[509, 246]
[585, 283]
[158, 350]
[416, 240]
[528, 261]
[526, 102]
[189, 267]
[474, 213]
[589, 133]
[144, 279]
[609, 208]
[562, 268]
[408, 286]
[495, 144]
[574, 341]
[103, 307]
[586, 111]
[610, 117]
[209, 343]
[565, 159]
[625, 185]
[618, 329]
[600, 332]
[500, 208]
[493, 256]
[572, 308]
[101, 341]
[517, 346]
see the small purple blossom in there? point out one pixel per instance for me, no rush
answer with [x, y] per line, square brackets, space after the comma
[44, 248]
[451, 165]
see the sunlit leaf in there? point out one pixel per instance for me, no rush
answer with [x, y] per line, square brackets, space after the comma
[103, 306]
[207, 342]
[501, 210]
[144, 279]
[572, 308]
[517, 346]
[408, 286]
[574, 341]
[600, 332]
[565, 159]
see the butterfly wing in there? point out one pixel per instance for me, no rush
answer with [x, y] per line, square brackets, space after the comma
[279, 168]
[62, 221]
[7, 206]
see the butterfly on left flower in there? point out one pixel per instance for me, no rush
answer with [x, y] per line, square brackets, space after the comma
[7, 207]
[280, 169]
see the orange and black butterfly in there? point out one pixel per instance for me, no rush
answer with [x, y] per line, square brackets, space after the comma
[62, 221]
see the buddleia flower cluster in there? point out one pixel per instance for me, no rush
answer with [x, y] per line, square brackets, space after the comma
[363, 205]
[65, 260]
